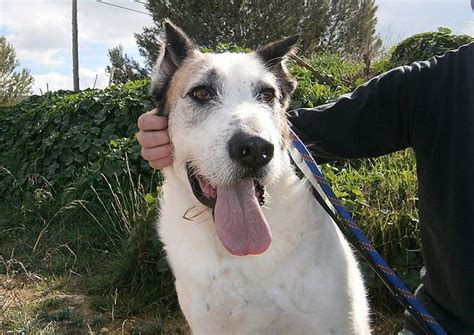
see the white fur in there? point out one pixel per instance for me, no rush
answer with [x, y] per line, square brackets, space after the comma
[308, 281]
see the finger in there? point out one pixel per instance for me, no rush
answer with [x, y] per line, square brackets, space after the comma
[161, 163]
[156, 153]
[150, 139]
[149, 121]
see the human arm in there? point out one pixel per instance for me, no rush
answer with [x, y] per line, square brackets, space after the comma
[387, 113]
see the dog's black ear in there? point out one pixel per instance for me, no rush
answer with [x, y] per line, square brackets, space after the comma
[273, 55]
[175, 47]
[178, 45]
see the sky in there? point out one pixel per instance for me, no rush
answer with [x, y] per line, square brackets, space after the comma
[40, 32]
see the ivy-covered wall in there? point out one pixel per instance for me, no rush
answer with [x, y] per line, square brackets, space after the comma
[65, 137]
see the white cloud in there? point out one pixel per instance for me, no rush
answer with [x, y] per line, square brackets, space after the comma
[40, 30]
[53, 81]
[103, 23]
[468, 28]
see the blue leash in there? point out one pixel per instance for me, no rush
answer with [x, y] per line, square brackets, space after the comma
[305, 162]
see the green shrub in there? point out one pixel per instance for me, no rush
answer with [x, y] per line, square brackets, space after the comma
[423, 46]
[380, 65]
[64, 136]
[344, 75]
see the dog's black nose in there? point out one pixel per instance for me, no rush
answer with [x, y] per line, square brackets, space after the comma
[251, 151]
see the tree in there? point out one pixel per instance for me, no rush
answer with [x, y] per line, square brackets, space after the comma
[123, 68]
[368, 44]
[14, 85]
[426, 45]
[246, 23]
[352, 29]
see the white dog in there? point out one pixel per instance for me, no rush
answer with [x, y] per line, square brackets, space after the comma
[251, 249]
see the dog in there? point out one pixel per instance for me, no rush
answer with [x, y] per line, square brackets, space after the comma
[251, 250]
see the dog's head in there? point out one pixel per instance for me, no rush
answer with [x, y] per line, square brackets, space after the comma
[227, 123]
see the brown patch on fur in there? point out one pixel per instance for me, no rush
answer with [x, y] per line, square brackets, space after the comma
[192, 64]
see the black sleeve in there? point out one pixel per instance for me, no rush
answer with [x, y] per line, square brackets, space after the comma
[378, 117]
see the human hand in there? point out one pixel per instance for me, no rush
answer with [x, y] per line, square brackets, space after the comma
[154, 140]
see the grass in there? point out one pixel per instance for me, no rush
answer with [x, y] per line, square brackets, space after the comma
[86, 259]
[100, 243]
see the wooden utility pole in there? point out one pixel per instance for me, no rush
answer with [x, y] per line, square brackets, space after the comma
[75, 47]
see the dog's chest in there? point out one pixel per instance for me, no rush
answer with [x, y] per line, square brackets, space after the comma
[236, 299]
[228, 295]
[288, 289]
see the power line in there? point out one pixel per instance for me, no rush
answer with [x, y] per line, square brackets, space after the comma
[146, 3]
[122, 7]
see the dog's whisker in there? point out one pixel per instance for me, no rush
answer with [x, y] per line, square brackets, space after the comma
[189, 216]
[273, 60]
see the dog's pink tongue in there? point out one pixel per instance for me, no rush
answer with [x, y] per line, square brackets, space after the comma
[241, 226]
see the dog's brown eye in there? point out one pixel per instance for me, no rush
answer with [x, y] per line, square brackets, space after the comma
[202, 94]
[266, 96]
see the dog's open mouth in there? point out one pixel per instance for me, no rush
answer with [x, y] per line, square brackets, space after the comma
[207, 194]
[241, 225]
